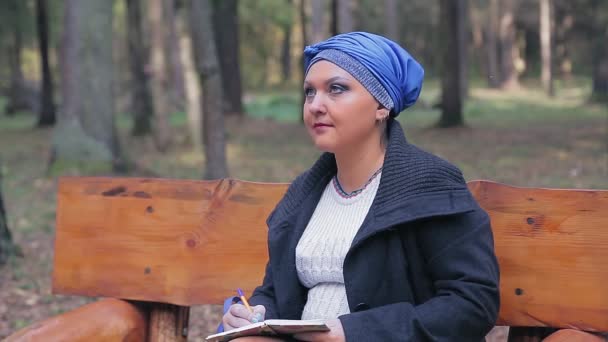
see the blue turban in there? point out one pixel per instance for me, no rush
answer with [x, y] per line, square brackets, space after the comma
[394, 68]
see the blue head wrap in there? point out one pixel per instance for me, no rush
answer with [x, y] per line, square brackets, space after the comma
[393, 67]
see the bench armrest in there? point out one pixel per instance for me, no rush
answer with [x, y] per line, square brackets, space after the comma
[107, 319]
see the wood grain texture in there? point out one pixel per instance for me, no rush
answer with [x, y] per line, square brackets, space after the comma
[104, 320]
[552, 246]
[168, 323]
[171, 241]
[193, 242]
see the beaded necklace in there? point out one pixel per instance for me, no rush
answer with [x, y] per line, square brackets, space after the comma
[354, 193]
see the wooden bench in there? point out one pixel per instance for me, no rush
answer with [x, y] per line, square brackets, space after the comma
[154, 247]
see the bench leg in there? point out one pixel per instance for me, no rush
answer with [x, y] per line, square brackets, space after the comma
[167, 322]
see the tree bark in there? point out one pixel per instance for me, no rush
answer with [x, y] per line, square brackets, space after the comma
[286, 52]
[391, 23]
[141, 103]
[599, 91]
[564, 22]
[333, 27]
[7, 247]
[508, 46]
[17, 95]
[318, 20]
[494, 77]
[46, 113]
[346, 21]
[193, 92]
[303, 23]
[206, 61]
[305, 42]
[451, 92]
[546, 15]
[85, 133]
[464, 41]
[176, 87]
[225, 18]
[159, 77]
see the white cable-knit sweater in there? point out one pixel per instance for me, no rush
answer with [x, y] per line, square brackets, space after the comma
[321, 250]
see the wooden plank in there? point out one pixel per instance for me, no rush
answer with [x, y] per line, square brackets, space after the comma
[192, 242]
[105, 320]
[552, 246]
[173, 241]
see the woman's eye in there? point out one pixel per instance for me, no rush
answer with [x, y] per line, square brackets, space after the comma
[337, 89]
[308, 92]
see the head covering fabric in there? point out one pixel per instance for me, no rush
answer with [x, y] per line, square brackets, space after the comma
[391, 65]
[358, 71]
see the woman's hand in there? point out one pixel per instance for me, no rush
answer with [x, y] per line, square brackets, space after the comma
[238, 316]
[335, 333]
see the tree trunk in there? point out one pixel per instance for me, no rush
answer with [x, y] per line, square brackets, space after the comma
[303, 23]
[305, 42]
[17, 95]
[193, 92]
[333, 29]
[600, 73]
[546, 15]
[318, 20]
[508, 46]
[286, 53]
[599, 54]
[491, 46]
[464, 40]
[452, 36]
[85, 133]
[564, 20]
[346, 22]
[7, 247]
[159, 77]
[46, 114]
[206, 61]
[391, 23]
[176, 90]
[141, 103]
[225, 19]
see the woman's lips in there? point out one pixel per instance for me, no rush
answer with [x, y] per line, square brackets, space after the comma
[320, 128]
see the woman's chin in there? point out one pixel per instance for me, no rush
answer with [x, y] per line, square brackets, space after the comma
[324, 146]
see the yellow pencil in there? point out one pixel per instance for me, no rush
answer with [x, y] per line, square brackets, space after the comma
[242, 296]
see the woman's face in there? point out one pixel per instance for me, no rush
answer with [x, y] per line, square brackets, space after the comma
[339, 113]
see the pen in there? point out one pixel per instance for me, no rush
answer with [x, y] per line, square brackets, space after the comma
[242, 296]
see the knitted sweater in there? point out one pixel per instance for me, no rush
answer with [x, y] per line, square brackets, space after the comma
[321, 250]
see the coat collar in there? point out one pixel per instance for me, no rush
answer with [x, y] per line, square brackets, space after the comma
[414, 185]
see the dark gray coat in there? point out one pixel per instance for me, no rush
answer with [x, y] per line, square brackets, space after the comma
[422, 265]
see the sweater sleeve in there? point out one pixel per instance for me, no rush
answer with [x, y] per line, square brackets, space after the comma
[264, 295]
[459, 255]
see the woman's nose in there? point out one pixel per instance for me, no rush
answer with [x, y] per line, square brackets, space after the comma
[316, 104]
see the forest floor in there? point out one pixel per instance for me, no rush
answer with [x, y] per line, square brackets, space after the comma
[520, 138]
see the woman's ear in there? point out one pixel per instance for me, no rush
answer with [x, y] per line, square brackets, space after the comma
[382, 113]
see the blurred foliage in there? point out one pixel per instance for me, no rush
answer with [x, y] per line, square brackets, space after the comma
[261, 28]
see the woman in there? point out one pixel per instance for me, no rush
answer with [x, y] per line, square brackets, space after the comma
[378, 237]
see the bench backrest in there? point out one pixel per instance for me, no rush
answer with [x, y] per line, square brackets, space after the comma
[191, 242]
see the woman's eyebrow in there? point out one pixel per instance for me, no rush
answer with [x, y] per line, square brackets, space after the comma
[329, 80]
[335, 78]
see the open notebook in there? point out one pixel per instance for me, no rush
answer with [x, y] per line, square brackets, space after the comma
[271, 327]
